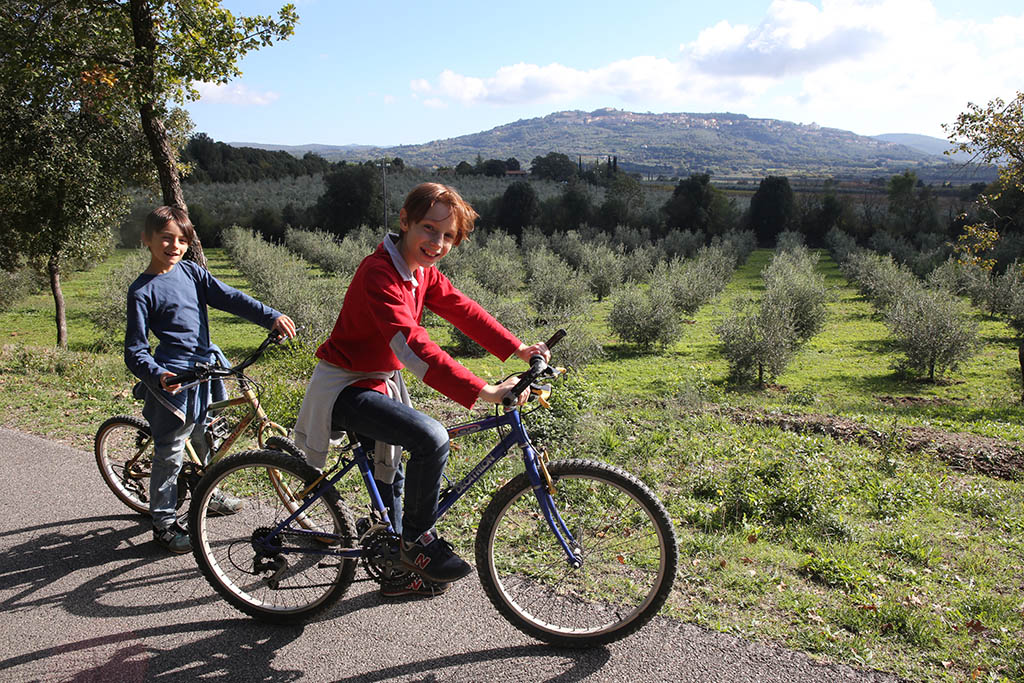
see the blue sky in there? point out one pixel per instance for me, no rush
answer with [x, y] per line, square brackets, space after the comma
[389, 72]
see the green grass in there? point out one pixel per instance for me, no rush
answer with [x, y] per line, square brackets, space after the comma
[872, 556]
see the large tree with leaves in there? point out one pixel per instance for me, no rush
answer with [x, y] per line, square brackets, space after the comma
[995, 134]
[148, 55]
[85, 85]
[63, 159]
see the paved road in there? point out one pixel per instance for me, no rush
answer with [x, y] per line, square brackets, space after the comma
[86, 596]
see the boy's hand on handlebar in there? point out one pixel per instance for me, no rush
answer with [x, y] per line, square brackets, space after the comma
[171, 388]
[494, 393]
[284, 326]
[525, 353]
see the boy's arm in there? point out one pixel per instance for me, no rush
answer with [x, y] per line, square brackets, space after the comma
[227, 298]
[447, 301]
[411, 344]
[137, 355]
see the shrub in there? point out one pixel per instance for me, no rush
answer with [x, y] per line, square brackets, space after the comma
[739, 243]
[695, 282]
[560, 427]
[788, 240]
[878, 277]
[1013, 302]
[603, 268]
[757, 341]
[791, 280]
[948, 276]
[283, 281]
[645, 317]
[840, 244]
[495, 263]
[578, 348]
[629, 238]
[556, 291]
[18, 284]
[569, 245]
[932, 329]
[532, 239]
[637, 265]
[512, 315]
[682, 243]
[109, 316]
[325, 251]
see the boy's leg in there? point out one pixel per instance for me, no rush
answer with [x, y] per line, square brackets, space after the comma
[390, 493]
[221, 503]
[379, 417]
[169, 447]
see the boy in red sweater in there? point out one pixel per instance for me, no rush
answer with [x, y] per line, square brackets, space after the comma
[358, 386]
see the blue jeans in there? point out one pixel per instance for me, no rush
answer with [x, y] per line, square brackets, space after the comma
[376, 417]
[169, 436]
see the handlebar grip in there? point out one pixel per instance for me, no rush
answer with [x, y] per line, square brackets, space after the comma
[555, 338]
[537, 365]
[183, 378]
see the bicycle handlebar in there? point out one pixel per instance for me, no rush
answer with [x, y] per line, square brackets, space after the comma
[204, 373]
[537, 366]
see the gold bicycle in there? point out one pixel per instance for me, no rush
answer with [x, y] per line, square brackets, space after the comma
[124, 445]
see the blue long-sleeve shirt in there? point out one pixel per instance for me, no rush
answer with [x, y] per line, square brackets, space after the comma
[172, 306]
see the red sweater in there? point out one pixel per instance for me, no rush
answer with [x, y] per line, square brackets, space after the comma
[378, 328]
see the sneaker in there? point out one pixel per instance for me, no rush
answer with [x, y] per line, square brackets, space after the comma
[433, 559]
[414, 586]
[173, 538]
[221, 504]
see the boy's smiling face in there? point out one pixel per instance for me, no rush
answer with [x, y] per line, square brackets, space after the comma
[166, 247]
[425, 242]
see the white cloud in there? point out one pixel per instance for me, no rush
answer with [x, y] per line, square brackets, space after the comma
[234, 93]
[868, 65]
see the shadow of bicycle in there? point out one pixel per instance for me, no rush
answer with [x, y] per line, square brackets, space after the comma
[232, 649]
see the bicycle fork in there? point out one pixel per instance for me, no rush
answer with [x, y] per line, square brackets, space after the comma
[543, 492]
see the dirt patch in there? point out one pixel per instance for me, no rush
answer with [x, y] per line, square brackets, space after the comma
[964, 452]
[913, 400]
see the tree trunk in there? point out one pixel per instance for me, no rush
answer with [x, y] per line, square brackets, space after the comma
[160, 149]
[1020, 359]
[53, 268]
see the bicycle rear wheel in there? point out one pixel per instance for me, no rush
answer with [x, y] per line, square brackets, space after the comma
[124, 454]
[624, 537]
[289, 578]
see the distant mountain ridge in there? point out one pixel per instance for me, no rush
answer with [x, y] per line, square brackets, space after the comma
[726, 145]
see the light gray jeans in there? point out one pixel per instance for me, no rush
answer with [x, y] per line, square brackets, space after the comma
[169, 447]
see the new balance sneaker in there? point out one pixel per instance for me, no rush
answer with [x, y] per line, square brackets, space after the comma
[222, 504]
[173, 538]
[433, 559]
[416, 585]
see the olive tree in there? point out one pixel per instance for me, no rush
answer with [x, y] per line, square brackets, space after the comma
[932, 329]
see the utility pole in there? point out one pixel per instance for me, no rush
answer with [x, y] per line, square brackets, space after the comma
[384, 188]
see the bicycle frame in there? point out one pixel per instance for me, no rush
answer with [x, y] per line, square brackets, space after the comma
[255, 412]
[517, 436]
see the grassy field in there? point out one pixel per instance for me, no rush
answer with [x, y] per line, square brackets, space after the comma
[860, 550]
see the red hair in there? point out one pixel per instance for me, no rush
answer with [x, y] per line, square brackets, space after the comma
[425, 195]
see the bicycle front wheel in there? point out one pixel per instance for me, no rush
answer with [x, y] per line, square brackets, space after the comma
[288, 578]
[619, 530]
[124, 454]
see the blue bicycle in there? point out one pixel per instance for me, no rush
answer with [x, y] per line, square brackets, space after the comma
[572, 552]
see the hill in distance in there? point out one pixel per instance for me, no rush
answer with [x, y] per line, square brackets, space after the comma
[677, 144]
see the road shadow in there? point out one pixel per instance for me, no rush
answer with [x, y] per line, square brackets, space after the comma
[585, 663]
[232, 646]
[143, 578]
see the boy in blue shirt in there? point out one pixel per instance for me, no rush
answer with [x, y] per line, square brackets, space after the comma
[169, 299]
